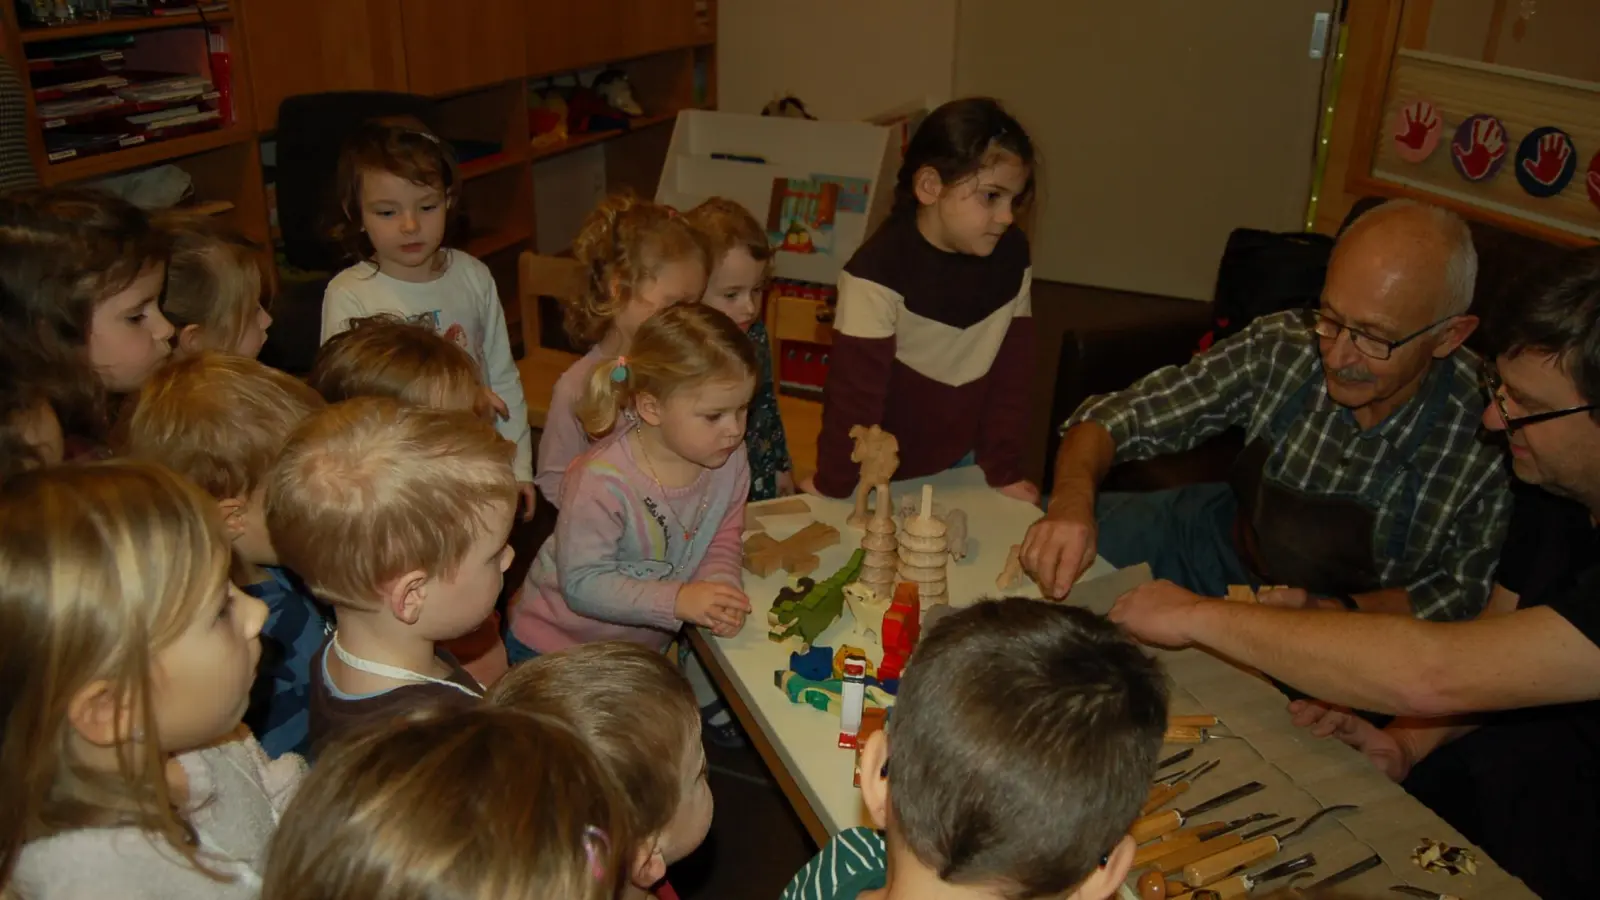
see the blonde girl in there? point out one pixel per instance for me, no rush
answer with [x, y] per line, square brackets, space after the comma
[213, 293]
[474, 804]
[741, 260]
[126, 660]
[638, 259]
[649, 533]
[399, 192]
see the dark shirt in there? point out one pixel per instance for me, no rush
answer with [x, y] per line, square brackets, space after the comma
[935, 347]
[280, 699]
[333, 715]
[1526, 785]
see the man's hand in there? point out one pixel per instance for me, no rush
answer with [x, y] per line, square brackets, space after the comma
[1058, 548]
[1381, 747]
[1157, 612]
[1288, 598]
[1023, 490]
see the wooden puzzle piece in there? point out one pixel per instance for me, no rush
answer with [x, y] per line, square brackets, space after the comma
[901, 627]
[872, 722]
[796, 554]
[791, 506]
[1012, 573]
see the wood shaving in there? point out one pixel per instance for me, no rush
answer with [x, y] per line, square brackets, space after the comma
[1437, 856]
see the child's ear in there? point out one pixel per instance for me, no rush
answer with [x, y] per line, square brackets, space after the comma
[99, 715]
[928, 185]
[405, 595]
[649, 866]
[189, 339]
[1103, 882]
[232, 512]
[875, 778]
[648, 406]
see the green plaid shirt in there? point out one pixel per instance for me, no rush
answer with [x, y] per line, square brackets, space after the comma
[1462, 503]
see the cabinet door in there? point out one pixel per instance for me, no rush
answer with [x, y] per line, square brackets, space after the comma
[573, 34]
[311, 46]
[453, 45]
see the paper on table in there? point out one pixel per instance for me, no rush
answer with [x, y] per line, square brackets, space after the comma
[1098, 594]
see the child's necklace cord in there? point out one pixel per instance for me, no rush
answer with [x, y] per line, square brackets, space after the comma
[688, 533]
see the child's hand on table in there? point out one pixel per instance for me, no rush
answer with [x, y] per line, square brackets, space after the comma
[1023, 490]
[719, 607]
[808, 485]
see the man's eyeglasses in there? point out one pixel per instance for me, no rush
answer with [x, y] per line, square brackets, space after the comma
[1369, 344]
[1490, 377]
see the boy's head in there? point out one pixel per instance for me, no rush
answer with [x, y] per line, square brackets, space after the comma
[385, 356]
[638, 715]
[741, 257]
[220, 421]
[397, 511]
[1022, 743]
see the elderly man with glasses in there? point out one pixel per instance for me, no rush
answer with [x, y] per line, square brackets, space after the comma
[1364, 481]
[1500, 727]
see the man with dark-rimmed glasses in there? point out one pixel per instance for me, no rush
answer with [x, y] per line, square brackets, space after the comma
[1364, 481]
[1500, 727]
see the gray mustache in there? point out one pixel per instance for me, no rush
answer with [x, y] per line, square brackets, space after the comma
[1354, 375]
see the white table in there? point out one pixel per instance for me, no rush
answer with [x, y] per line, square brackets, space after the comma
[799, 743]
[1303, 774]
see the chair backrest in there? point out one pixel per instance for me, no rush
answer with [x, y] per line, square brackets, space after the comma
[312, 129]
[544, 276]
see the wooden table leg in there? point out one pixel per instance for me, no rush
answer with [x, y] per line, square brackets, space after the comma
[797, 799]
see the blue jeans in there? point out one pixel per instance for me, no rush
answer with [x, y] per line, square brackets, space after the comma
[517, 651]
[1185, 534]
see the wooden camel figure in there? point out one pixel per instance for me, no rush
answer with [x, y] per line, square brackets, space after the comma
[878, 454]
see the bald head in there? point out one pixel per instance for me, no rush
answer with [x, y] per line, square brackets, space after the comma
[1420, 254]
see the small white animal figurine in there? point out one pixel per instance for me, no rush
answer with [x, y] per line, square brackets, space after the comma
[866, 611]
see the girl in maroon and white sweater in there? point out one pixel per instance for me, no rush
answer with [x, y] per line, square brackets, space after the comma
[934, 333]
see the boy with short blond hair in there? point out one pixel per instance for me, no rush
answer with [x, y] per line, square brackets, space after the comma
[639, 717]
[398, 516]
[221, 420]
[1022, 743]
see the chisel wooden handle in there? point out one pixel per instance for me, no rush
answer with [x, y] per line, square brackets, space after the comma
[1176, 862]
[1191, 831]
[1163, 795]
[1216, 867]
[1184, 734]
[1231, 888]
[1148, 853]
[1177, 890]
[1191, 721]
[1148, 828]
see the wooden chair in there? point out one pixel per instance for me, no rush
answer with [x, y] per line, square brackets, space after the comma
[540, 366]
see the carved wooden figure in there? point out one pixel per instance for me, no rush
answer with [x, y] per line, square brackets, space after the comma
[878, 453]
[879, 565]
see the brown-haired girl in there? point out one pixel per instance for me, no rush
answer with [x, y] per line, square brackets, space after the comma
[81, 275]
[741, 259]
[213, 294]
[638, 258]
[398, 187]
[651, 518]
[473, 804]
[933, 339]
[126, 660]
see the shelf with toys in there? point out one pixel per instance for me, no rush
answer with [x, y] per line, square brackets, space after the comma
[209, 14]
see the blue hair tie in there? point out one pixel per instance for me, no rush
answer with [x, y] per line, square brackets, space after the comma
[619, 372]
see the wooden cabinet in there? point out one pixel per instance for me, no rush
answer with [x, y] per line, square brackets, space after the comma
[454, 45]
[420, 46]
[575, 34]
[310, 46]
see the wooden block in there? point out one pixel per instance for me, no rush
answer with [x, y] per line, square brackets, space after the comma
[1240, 593]
[796, 554]
[813, 537]
[800, 566]
[760, 555]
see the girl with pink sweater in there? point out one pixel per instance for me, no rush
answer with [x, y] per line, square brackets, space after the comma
[651, 517]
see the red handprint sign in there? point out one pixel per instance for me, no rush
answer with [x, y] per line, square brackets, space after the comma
[1479, 147]
[1546, 161]
[1416, 131]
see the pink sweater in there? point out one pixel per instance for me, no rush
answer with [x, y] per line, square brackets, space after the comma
[562, 439]
[613, 567]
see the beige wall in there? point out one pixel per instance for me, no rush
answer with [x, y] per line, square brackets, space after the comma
[1558, 39]
[847, 59]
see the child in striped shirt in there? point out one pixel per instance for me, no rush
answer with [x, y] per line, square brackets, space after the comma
[1022, 744]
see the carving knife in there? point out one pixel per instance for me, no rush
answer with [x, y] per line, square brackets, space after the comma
[1169, 847]
[1155, 825]
[1257, 846]
[1347, 873]
[1241, 885]
[1161, 796]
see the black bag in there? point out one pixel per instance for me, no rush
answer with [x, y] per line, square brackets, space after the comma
[1265, 272]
